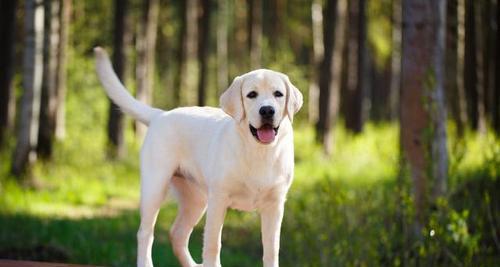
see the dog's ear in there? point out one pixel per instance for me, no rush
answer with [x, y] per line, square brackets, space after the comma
[294, 99]
[231, 102]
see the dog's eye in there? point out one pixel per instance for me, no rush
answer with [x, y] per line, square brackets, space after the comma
[252, 94]
[278, 94]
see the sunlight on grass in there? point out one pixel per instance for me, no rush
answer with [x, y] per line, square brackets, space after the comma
[357, 159]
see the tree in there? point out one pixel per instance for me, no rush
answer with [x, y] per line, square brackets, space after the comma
[277, 15]
[474, 67]
[423, 112]
[49, 81]
[330, 69]
[255, 32]
[356, 66]
[146, 46]
[488, 21]
[395, 60]
[496, 99]
[318, 51]
[481, 64]
[24, 153]
[115, 119]
[7, 29]
[186, 60]
[455, 63]
[65, 19]
[203, 45]
[222, 25]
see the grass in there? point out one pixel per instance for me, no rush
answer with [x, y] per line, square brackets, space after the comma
[347, 210]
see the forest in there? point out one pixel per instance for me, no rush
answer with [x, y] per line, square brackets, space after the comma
[397, 148]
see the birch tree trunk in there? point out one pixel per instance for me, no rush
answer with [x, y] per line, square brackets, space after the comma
[146, 47]
[27, 135]
[7, 29]
[423, 112]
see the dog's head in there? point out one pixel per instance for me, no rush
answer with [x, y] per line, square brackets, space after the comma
[262, 99]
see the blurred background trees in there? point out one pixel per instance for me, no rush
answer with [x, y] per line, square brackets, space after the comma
[429, 68]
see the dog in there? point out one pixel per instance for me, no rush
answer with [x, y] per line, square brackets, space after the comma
[240, 156]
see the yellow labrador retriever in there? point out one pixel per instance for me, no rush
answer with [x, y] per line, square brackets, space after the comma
[240, 157]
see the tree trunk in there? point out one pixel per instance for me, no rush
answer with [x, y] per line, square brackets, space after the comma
[191, 74]
[222, 25]
[318, 51]
[356, 66]
[395, 84]
[24, 153]
[186, 61]
[203, 45]
[455, 63]
[452, 62]
[49, 82]
[146, 46]
[277, 22]
[7, 29]
[496, 103]
[116, 119]
[179, 83]
[481, 65]
[255, 32]
[65, 19]
[330, 70]
[488, 16]
[462, 101]
[422, 100]
[474, 65]
[470, 64]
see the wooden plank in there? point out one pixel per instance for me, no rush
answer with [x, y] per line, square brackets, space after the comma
[13, 263]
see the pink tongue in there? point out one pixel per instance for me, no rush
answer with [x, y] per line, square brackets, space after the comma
[265, 134]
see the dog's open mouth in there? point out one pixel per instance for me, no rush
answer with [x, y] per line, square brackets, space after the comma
[265, 134]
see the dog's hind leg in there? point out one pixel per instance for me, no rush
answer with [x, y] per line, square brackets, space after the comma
[156, 172]
[192, 204]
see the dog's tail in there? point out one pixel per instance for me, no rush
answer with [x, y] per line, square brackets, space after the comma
[117, 92]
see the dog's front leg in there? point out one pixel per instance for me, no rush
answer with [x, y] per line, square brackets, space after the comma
[271, 217]
[216, 211]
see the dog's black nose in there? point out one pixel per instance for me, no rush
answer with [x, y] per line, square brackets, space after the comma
[267, 112]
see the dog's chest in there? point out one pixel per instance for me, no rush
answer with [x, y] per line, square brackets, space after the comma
[257, 192]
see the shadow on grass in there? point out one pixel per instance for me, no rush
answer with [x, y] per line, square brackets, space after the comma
[106, 241]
